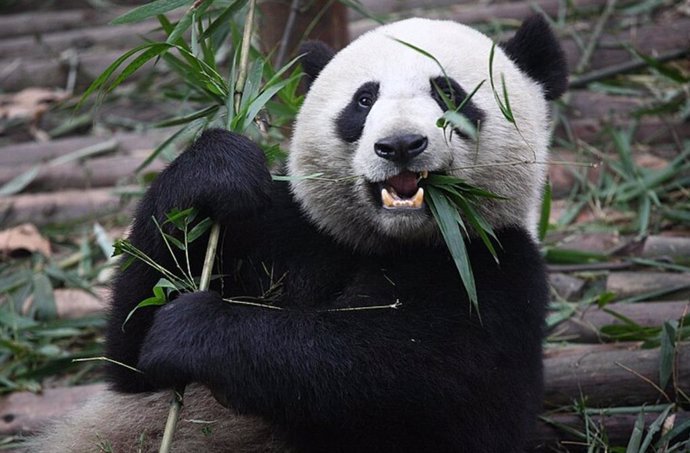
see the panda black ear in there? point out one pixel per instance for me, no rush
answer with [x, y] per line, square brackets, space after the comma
[315, 56]
[535, 50]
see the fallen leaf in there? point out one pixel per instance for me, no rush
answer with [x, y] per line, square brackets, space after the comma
[22, 240]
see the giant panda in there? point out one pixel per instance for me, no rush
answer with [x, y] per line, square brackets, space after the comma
[370, 342]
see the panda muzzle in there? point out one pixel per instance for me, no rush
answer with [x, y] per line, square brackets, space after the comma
[402, 191]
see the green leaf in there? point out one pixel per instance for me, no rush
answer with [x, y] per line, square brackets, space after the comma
[180, 218]
[636, 436]
[43, 304]
[176, 242]
[198, 125]
[545, 212]
[177, 121]
[159, 298]
[555, 255]
[223, 18]
[153, 51]
[199, 230]
[19, 182]
[109, 71]
[667, 352]
[460, 121]
[445, 216]
[663, 69]
[260, 101]
[149, 10]
[654, 428]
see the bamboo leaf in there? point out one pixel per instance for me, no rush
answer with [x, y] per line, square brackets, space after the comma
[654, 428]
[545, 212]
[19, 182]
[636, 436]
[223, 18]
[199, 230]
[149, 10]
[667, 352]
[445, 216]
[153, 51]
[43, 303]
[108, 72]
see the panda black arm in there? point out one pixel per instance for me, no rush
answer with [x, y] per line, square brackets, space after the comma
[335, 372]
[224, 176]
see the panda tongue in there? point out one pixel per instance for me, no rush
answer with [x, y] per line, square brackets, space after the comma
[404, 184]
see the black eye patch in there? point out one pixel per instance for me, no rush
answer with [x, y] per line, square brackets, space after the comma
[350, 122]
[456, 95]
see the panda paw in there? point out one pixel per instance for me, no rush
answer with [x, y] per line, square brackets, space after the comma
[180, 338]
[223, 174]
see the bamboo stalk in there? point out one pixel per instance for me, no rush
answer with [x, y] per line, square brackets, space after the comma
[178, 394]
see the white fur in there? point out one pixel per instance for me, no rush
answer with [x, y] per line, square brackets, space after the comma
[120, 423]
[404, 105]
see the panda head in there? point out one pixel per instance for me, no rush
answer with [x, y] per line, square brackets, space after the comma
[368, 127]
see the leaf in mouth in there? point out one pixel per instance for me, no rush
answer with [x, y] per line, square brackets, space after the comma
[448, 196]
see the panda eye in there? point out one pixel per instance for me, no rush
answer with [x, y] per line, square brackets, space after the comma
[365, 101]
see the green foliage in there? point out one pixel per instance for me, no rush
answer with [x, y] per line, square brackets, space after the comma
[193, 51]
[451, 200]
[186, 229]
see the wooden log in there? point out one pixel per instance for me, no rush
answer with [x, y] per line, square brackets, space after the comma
[32, 153]
[73, 303]
[60, 207]
[566, 286]
[585, 325]
[37, 22]
[592, 104]
[476, 13]
[19, 73]
[107, 36]
[667, 246]
[554, 432]
[654, 38]
[650, 130]
[387, 7]
[626, 284]
[609, 375]
[96, 172]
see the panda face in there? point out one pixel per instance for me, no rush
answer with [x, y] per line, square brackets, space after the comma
[368, 127]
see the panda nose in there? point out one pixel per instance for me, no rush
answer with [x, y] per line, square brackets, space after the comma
[401, 148]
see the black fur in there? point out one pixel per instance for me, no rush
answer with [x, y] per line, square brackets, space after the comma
[350, 122]
[454, 92]
[425, 377]
[316, 55]
[535, 50]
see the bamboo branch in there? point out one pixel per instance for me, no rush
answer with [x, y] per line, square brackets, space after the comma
[176, 403]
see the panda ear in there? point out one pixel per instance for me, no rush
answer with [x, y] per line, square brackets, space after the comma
[536, 51]
[315, 56]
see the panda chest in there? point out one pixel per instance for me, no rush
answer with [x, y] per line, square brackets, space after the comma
[328, 278]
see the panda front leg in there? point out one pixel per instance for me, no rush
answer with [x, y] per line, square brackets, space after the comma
[225, 177]
[345, 381]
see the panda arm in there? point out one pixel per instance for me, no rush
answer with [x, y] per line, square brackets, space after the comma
[292, 366]
[224, 176]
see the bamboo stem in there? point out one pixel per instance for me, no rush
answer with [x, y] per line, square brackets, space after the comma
[176, 403]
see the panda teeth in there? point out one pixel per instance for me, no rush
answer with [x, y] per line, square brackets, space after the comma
[418, 198]
[392, 200]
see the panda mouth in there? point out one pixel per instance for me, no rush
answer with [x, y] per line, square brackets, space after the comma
[402, 191]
